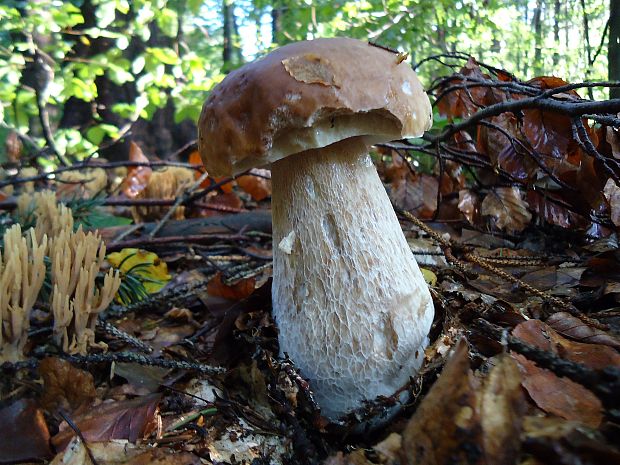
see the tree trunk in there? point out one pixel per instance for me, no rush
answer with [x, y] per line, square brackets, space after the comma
[556, 33]
[537, 24]
[614, 46]
[227, 50]
[276, 22]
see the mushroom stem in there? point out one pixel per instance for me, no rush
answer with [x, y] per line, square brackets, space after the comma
[349, 300]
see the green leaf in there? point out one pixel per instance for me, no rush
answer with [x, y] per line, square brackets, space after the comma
[99, 219]
[168, 22]
[167, 56]
[96, 134]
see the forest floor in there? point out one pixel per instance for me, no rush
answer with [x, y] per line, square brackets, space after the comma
[523, 363]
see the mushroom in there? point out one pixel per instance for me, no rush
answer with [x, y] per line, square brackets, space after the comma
[351, 305]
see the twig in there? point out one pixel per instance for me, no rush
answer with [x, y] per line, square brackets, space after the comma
[132, 357]
[448, 246]
[78, 432]
[157, 241]
[113, 331]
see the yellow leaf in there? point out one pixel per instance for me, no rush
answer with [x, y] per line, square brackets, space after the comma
[152, 270]
[429, 276]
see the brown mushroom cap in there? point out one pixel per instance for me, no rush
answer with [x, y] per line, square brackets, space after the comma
[309, 95]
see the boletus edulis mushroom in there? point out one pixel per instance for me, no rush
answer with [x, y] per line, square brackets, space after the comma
[352, 308]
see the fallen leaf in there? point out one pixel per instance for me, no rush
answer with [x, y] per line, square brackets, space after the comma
[500, 403]
[570, 326]
[13, 146]
[461, 103]
[24, 437]
[559, 396]
[119, 452]
[151, 270]
[128, 419]
[613, 139]
[507, 207]
[65, 386]
[469, 205]
[462, 420]
[237, 291]
[416, 194]
[553, 209]
[257, 183]
[137, 176]
[145, 379]
[544, 337]
[556, 441]
[612, 194]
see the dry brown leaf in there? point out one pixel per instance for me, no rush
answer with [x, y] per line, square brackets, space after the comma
[226, 200]
[128, 419]
[13, 146]
[122, 453]
[613, 139]
[24, 436]
[468, 204]
[559, 396]
[237, 291]
[445, 425]
[539, 334]
[612, 194]
[417, 194]
[501, 412]
[257, 186]
[570, 326]
[559, 442]
[460, 415]
[65, 386]
[507, 207]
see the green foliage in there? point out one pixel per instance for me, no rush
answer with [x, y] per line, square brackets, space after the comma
[159, 51]
[89, 214]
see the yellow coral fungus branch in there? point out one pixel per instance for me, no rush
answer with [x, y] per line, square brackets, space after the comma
[22, 274]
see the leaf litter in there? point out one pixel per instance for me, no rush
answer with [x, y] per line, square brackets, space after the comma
[532, 203]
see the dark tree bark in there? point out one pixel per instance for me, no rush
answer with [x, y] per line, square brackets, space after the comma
[537, 24]
[556, 32]
[588, 47]
[614, 46]
[159, 136]
[228, 31]
[276, 22]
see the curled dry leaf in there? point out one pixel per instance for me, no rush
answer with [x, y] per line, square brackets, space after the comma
[539, 334]
[613, 139]
[128, 419]
[65, 386]
[465, 102]
[137, 176]
[507, 207]
[194, 159]
[559, 396]
[24, 435]
[417, 194]
[238, 291]
[460, 415]
[555, 441]
[553, 209]
[468, 204]
[122, 453]
[612, 194]
[257, 183]
[570, 326]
